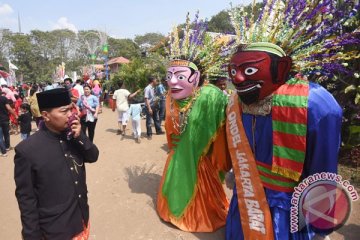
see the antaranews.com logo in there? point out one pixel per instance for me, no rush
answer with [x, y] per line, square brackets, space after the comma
[322, 200]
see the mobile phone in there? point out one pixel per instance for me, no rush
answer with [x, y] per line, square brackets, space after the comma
[69, 132]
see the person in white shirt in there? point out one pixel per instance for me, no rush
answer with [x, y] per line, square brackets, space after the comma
[79, 87]
[122, 105]
[49, 86]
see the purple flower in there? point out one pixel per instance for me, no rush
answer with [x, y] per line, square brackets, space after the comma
[288, 9]
[319, 8]
[247, 22]
[261, 14]
[271, 5]
[335, 68]
[298, 7]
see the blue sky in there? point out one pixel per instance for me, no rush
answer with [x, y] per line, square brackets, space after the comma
[118, 18]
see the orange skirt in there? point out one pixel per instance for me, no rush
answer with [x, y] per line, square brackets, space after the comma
[208, 209]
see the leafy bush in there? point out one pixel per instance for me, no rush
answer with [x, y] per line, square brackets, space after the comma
[135, 74]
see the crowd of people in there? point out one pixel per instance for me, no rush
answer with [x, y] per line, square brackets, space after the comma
[152, 105]
[19, 107]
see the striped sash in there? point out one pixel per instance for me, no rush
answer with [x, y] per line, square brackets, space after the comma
[289, 122]
[273, 180]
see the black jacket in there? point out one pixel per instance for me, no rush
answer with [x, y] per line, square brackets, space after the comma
[4, 114]
[25, 123]
[51, 187]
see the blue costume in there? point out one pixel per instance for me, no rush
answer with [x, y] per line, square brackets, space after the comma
[323, 142]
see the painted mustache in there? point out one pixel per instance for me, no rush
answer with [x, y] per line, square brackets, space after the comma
[248, 86]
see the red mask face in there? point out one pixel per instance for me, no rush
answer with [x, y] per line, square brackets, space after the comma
[251, 75]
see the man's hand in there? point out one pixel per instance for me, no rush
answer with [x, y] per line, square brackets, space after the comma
[76, 127]
[230, 180]
[150, 111]
[113, 105]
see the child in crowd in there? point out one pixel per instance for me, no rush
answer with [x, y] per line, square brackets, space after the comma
[134, 111]
[25, 121]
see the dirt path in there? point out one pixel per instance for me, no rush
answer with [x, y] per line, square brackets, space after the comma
[122, 191]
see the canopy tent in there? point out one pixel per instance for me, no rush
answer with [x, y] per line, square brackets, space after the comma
[2, 81]
[4, 74]
[118, 60]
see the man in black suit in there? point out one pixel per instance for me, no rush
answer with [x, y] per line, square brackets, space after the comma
[50, 173]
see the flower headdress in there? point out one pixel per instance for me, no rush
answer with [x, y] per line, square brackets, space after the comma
[198, 49]
[312, 33]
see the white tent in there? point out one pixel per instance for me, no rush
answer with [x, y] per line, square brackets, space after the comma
[2, 81]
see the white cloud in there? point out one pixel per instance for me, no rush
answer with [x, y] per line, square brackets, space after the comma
[5, 9]
[6, 18]
[63, 23]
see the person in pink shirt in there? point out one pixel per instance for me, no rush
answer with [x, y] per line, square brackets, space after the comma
[8, 93]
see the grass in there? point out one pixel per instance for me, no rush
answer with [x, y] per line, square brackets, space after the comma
[350, 173]
[349, 164]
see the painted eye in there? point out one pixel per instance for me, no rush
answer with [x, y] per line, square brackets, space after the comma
[181, 77]
[250, 71]
[233, 72]
[168, 77]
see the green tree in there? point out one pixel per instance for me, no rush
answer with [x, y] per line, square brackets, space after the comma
[21, 52]
[135, 74]
[254, 9]
[66, 47]
[221, 23]
[43, 45]
[123, 47]
[4, 45]
[88, 43]
[148, 39]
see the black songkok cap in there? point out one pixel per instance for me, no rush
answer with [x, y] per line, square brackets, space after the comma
[53, 98]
